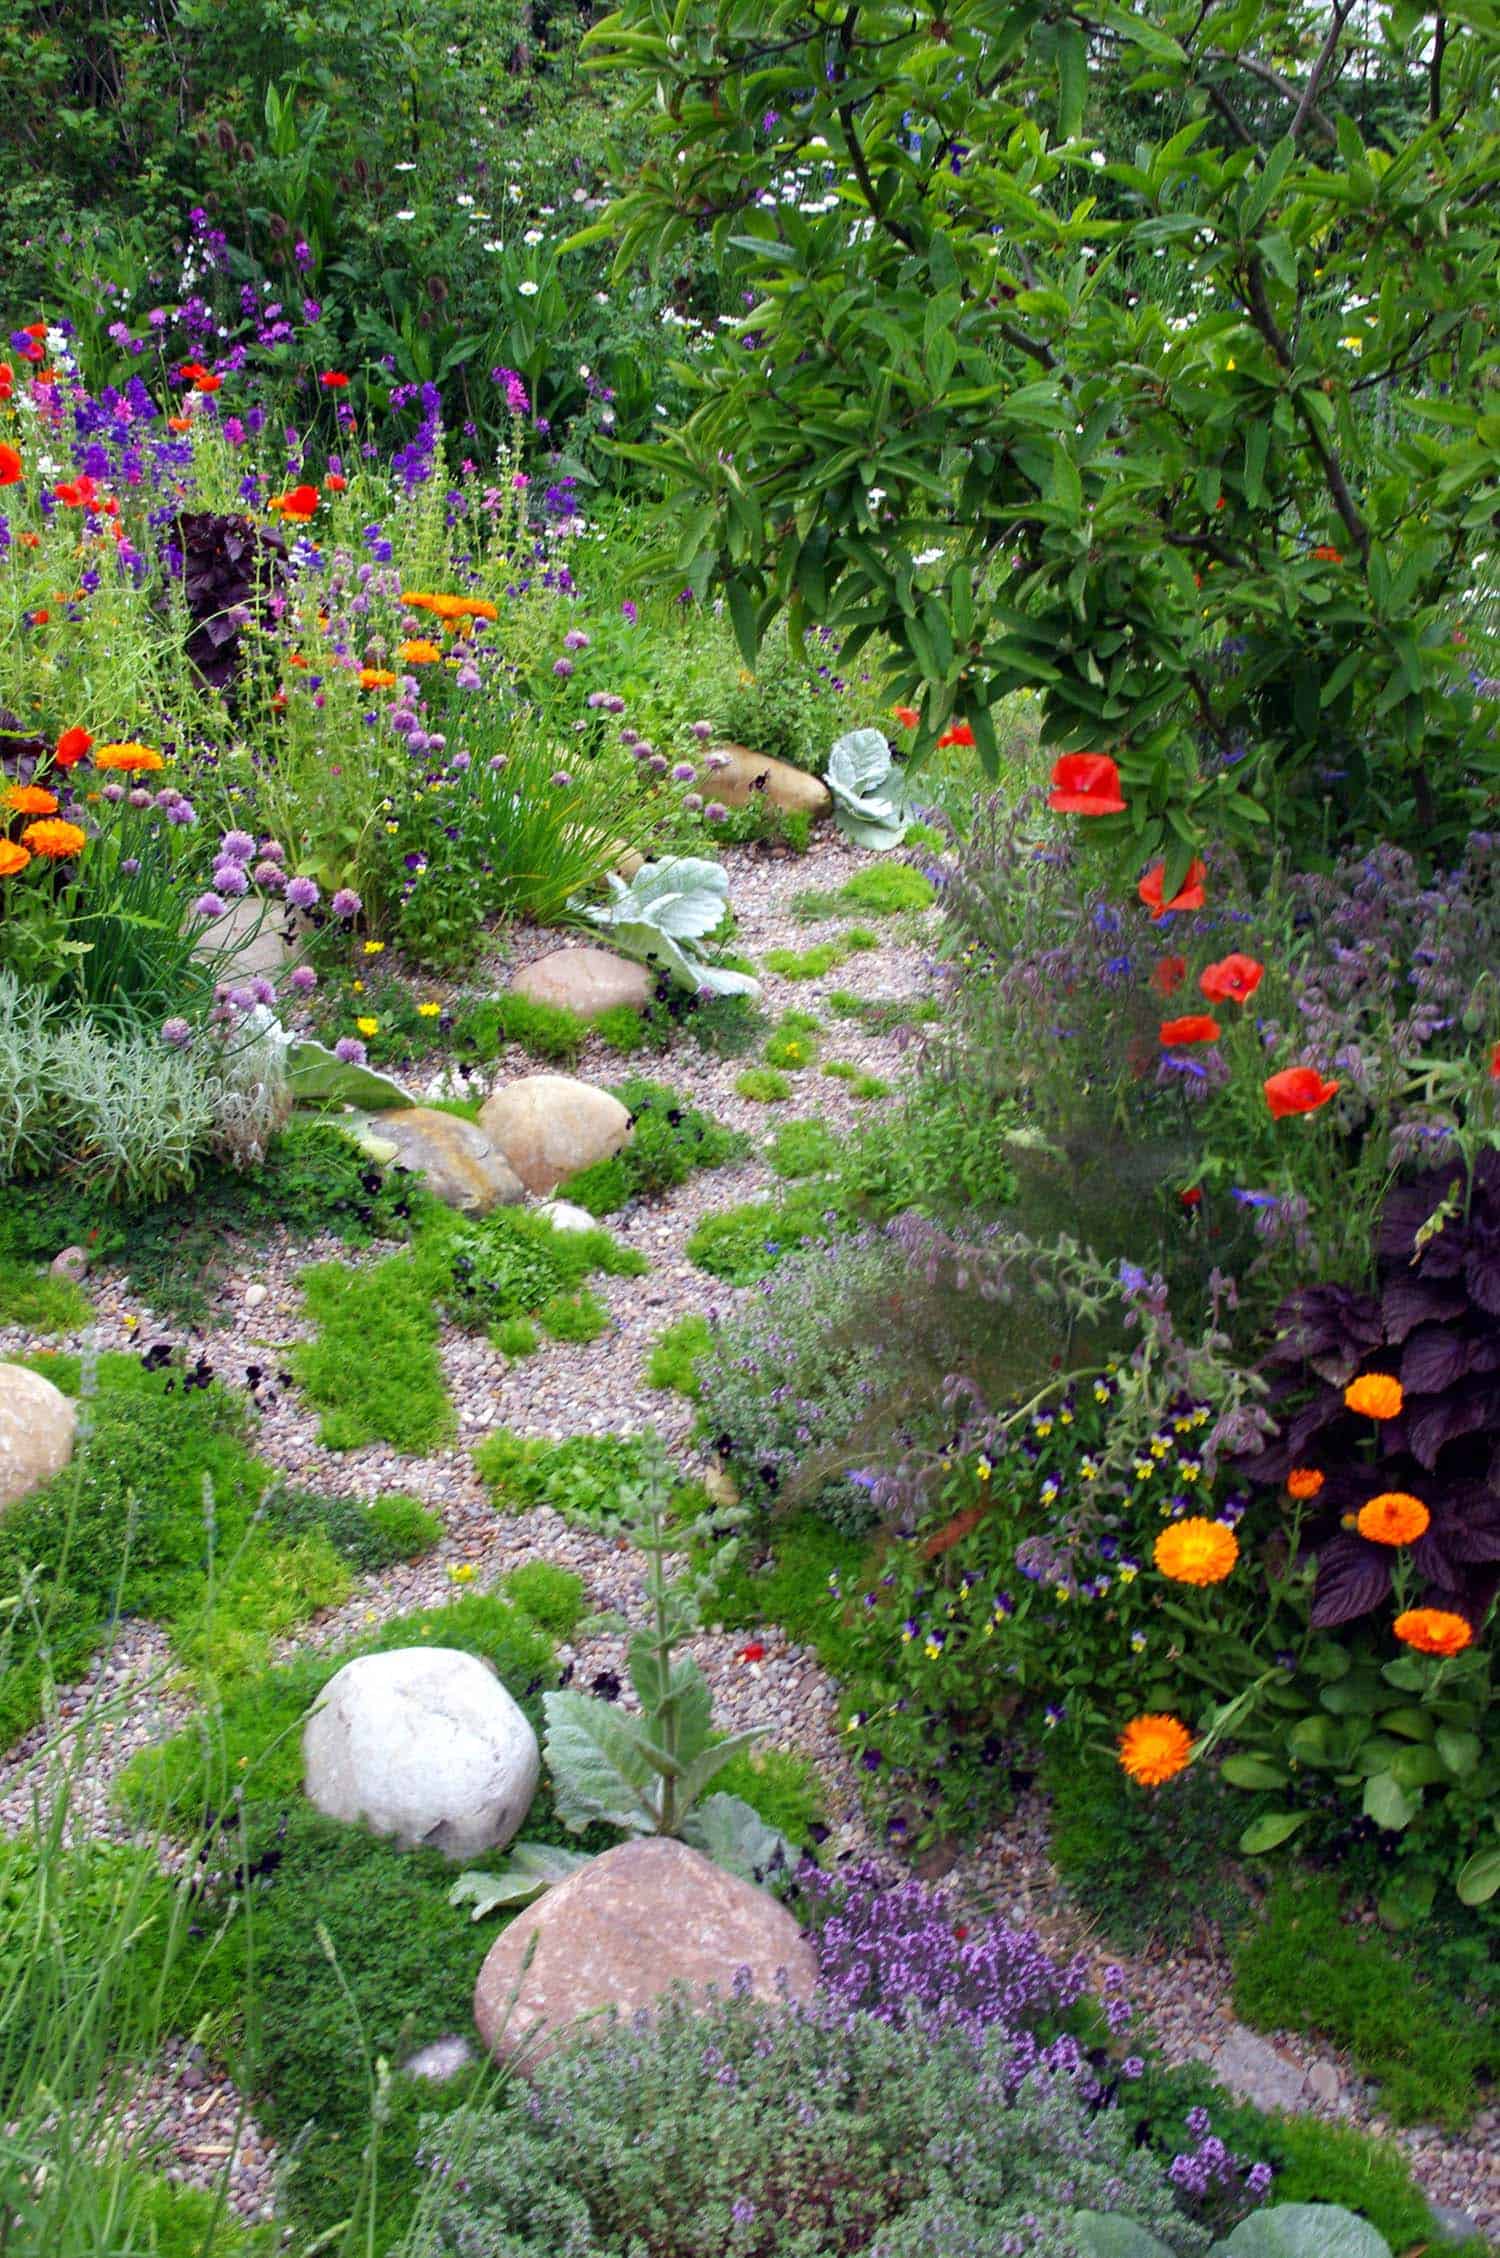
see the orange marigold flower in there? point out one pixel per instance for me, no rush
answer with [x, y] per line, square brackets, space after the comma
[1197, 1551]
[1433, 1630]
[1304, 1481]
[30, 799]
[1189, 895]
[376, 678]
[1196, 1028]
[1153, 1749]
[1376, 1394]
[12, 858]
[419, 653]
[130, 758]
[55, 839]
[1233, 980]
[1297, 1089]
[1394, 1518]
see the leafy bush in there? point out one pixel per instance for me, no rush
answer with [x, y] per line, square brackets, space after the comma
[513, 1263]
[778, 2141]
[939, 1153]
[590, 1478]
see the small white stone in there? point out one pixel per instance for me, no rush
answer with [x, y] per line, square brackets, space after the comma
[254, 1296]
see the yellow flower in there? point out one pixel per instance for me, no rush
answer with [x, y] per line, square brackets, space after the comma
[357, 987]
[462, 1572]
[368, 1026]
[428, 1011]
[374, 948]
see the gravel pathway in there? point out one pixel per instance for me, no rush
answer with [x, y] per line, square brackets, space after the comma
[130, 1697]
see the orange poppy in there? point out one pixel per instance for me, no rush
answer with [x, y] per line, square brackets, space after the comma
[1196, 1028]
[1297, 1089]
[908, 716]
[1233, 980]
[179, 423]
[334, 483]
[1326, 553]
[1188, 896]
[959, 734]
[334, 380]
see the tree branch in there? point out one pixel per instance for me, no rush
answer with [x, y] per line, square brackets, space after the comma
[1338, 486]
[1326, 53]
[1435, 72]
[1277, 84]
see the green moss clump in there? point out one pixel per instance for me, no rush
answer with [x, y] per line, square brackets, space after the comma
[793, 1044]
[808, 964]
[886, 888]
[544, 1031]
[550, 1595]
[781, 1785]
[574, 1317]
[373, 1365]
[670, 1137]
[742, 1244]
[673, 1361]
[514, 1337]
[793, 1586]
[33, 1298]
[764, 1085]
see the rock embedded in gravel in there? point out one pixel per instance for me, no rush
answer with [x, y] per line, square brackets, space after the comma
[456, 1159]
[1253, 2069]
[36, 1432]
[425, 1744]
[585, 980]
[563, 1216]
[72, 1264]
[549, 1126]
[745, 775]
[624, 1930]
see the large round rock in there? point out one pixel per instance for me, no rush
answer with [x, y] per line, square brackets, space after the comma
[455, 1159]
[624, 1930]
[549, 1127]
[585, 980]
[36, 1432]
[736, 776]
[424, 1744]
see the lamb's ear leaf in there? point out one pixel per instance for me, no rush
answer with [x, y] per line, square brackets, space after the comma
[1303, 2230]
[858, 762]
[316, 1077]
[1110, 2237]
[600, 1770]
[531, 1868]
[735, 1837]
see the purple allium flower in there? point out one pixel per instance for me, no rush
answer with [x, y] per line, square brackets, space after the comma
[114, 794]
[345, 904]
[130, 865]
[272, 850]
[715, 812]
[692, 801]
[562, 668]
[302, 979]
[702, 730]
[575, 640]
[230, 878]
[561, 778]
[176, 1033]
[210, 905]
[269, 876]
[236, 846]
[302, 893]
[684, 773]
[349, 1051]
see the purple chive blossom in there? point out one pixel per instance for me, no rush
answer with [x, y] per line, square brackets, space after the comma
[561, 778]
[575, 640]
[236, 846]
[345, 904]
[684, 773]
[269, 876]
[562, 668]
[263, 990]
[176, 1033]
[349, 1051]
[302, 893]
[716, 812]
[210, 905]
[302, 980]
[702, 730]
[230, 878]
[272, 850]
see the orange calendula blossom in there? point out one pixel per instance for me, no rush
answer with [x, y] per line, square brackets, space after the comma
[450, 607]
[420, 653]
[1433, 1630]
[376, 678]
[1393, 1518]
[1377, 1395]
[13, 858]
[54, 839]
[129, 758]
[1153, 1749]
[1196, 1551]
[1304, 1482]
[30, 799]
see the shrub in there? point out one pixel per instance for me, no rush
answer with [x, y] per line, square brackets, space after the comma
[512, 1263]
[673, 1359]
[938, 1153]
[369, 1536]
[624, 2138]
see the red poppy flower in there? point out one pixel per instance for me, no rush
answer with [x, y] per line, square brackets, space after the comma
[296, 502]
[334, 380]
[179, 423]
[1196, 1028]
[959, 734]
[193, 372]
[908, 716]
[1326, 553]
[35, 329]
[1495, 1064]
[72, 745]
[40, 617]
[10, 467]
[7, 380]
[1169, 975]
[78, 494]
[334, 483]
[1086, 784]
[1192, 1197]
[1188, 896]
[1233, 980]
[1297, 1089]
[754, 1652]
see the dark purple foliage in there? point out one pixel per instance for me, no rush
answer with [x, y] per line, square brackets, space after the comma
[1432, 1324]
[227, 564]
